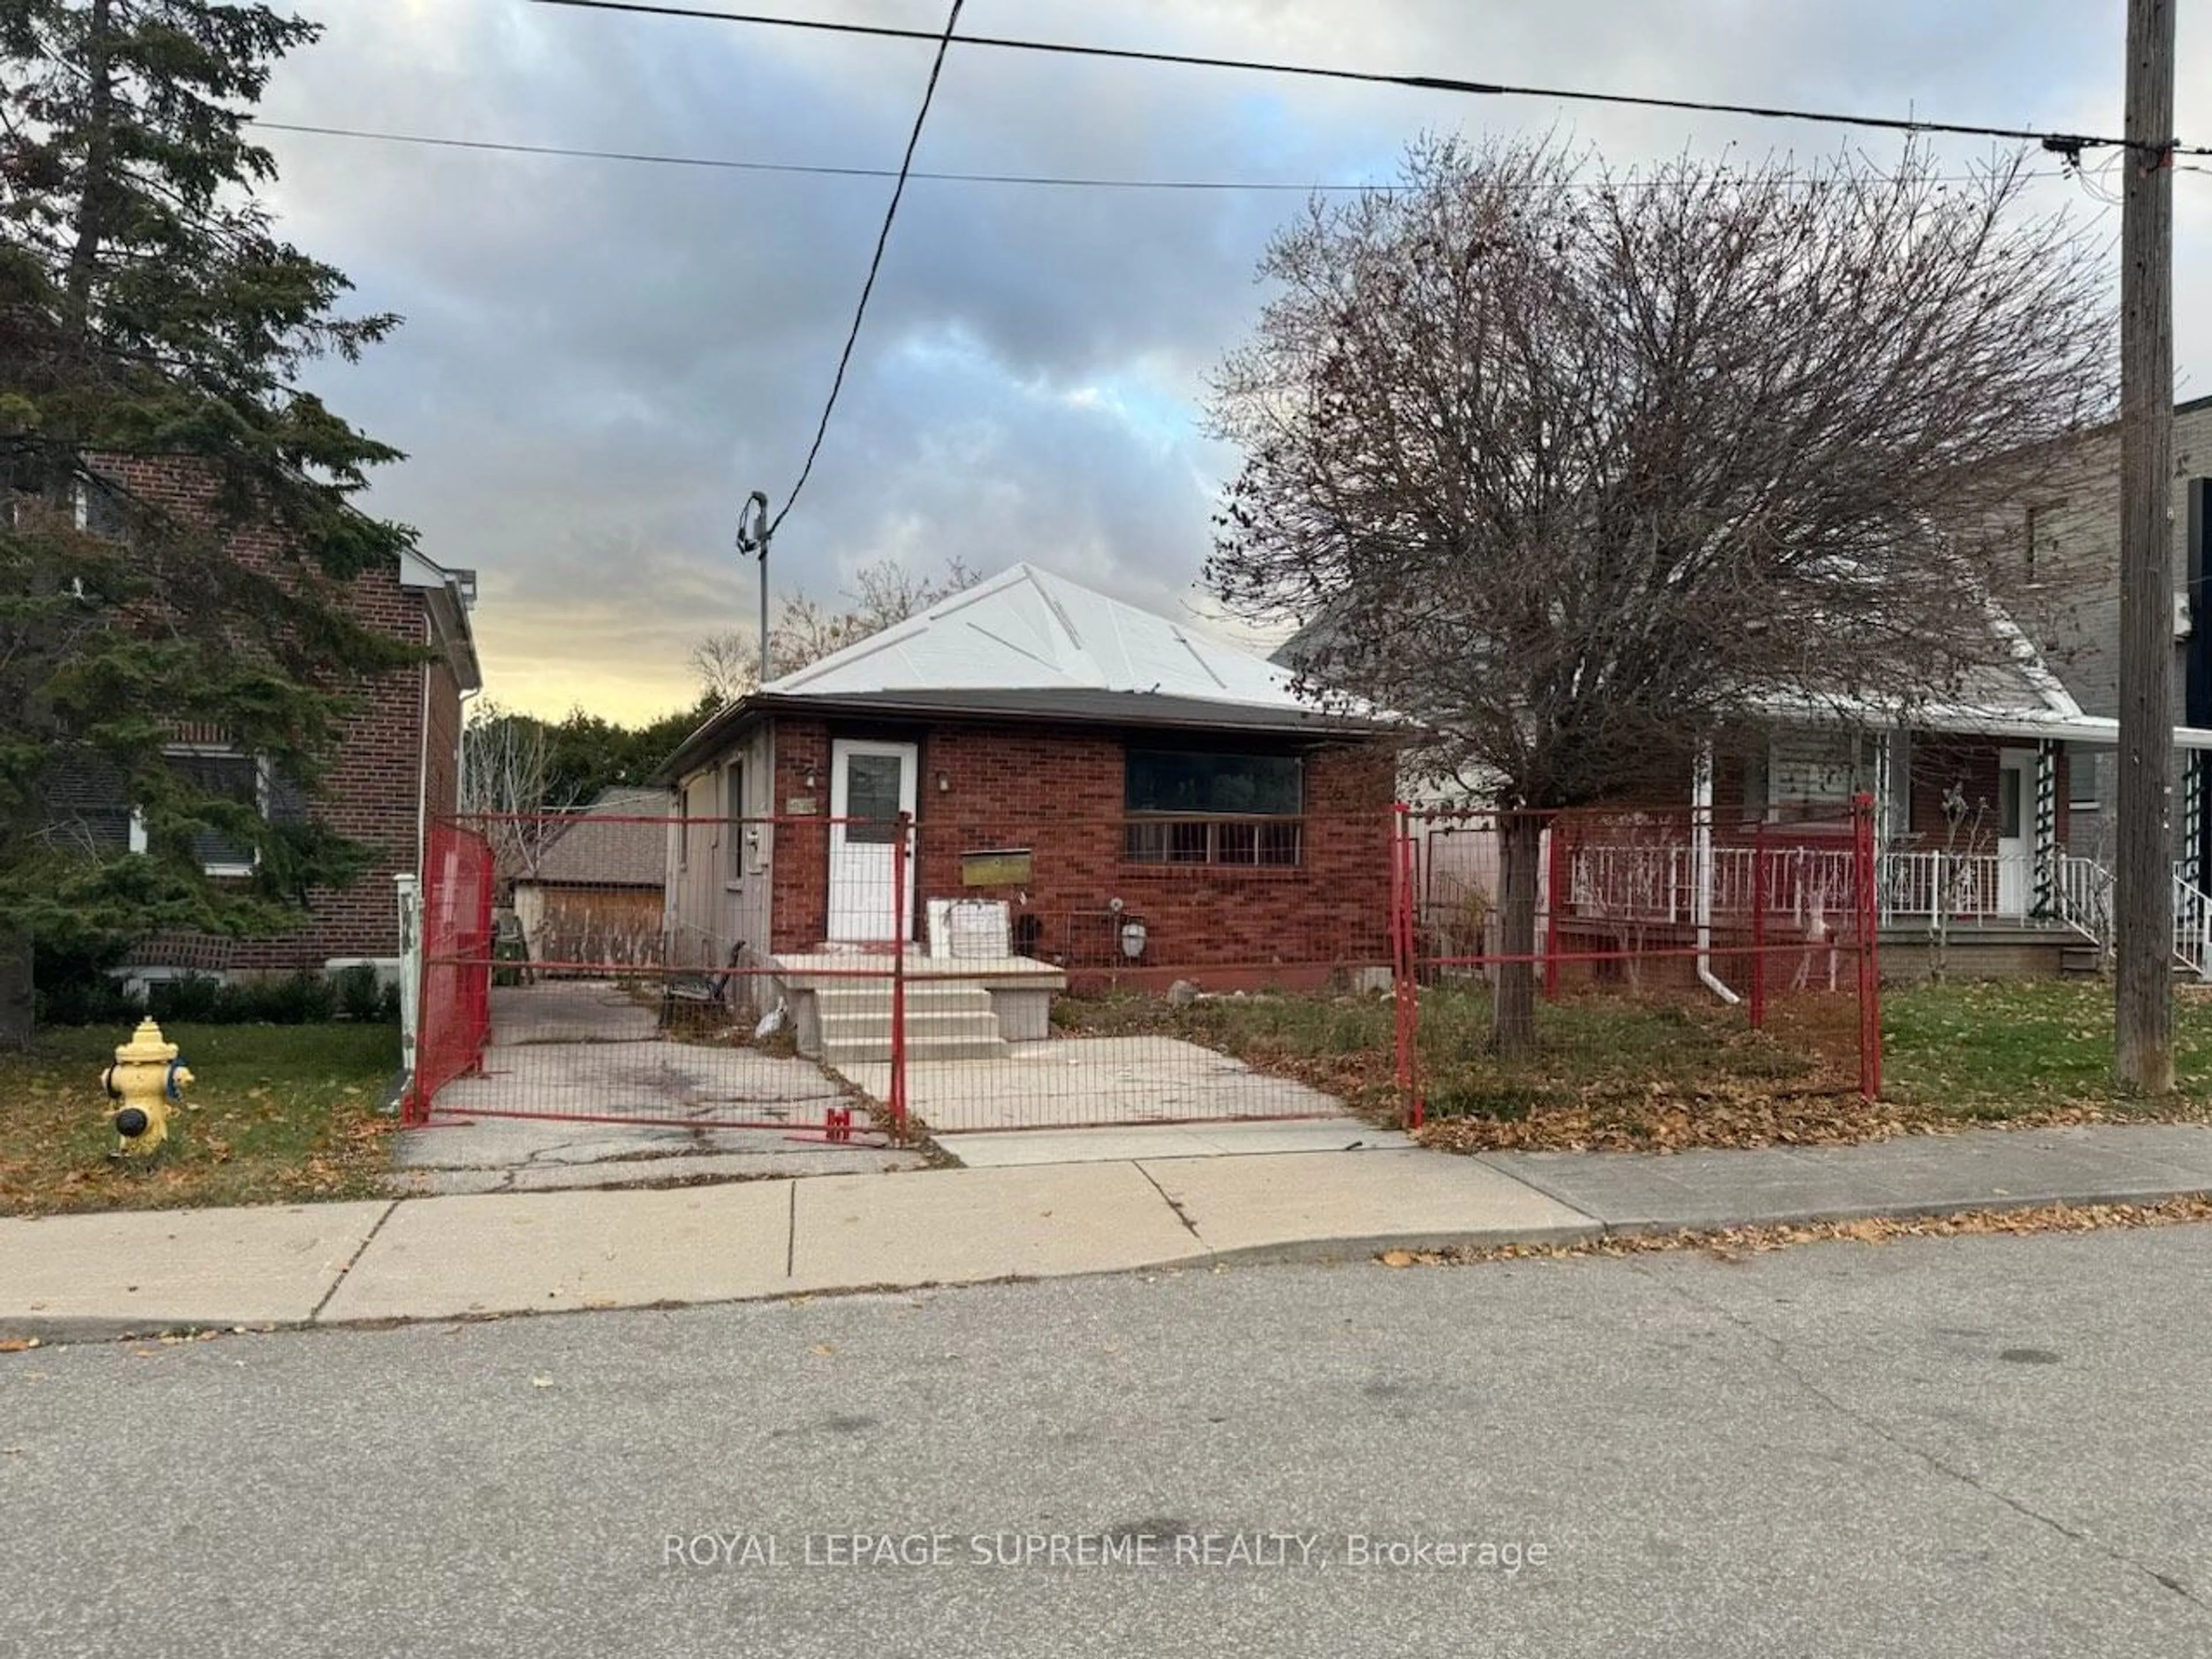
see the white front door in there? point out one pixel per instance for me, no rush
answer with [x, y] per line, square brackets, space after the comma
[2015, 817]
[870, 785]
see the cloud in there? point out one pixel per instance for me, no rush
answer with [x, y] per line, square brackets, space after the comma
[602, 358]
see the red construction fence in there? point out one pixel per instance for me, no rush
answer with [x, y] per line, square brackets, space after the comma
[823, 976]
[454, 1020]
[1646, 905]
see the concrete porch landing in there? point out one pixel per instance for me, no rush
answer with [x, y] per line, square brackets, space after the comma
[958, 1008]
[874, 962]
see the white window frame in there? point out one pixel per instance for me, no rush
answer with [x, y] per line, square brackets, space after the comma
[1856, 772]
[263, 792]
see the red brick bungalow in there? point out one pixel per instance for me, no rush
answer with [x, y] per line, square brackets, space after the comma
[1147, 804]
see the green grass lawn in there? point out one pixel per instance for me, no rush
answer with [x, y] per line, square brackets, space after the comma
[279, 1113]
[2001, 1049]
[1591, 1050]
[1622, 1070]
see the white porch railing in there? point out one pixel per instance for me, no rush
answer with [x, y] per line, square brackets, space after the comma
[2083, 898]
[2192, 927]
[1656, 882]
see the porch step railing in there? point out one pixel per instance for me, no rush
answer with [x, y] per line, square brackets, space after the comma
[2085, 904]
[2083, 899]
[2192, 927]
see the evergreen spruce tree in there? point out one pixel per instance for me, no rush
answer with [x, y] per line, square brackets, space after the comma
[153, 324]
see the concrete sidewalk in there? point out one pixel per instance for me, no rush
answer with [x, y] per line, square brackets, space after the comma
[481, 1255]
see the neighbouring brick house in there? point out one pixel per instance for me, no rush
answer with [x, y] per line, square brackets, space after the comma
[1146, 803]
[396, 768]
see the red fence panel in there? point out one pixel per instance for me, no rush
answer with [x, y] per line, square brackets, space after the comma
[1636, 909]
[974, 968]
[455, 1016]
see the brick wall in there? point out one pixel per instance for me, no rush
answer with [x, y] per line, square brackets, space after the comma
[441, 752]
[370, 790]
[1059, 793]
[1938, 763]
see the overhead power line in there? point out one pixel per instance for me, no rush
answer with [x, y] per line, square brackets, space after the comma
[829, 170]
[875, 264]
[813, 168]
[2063, 143]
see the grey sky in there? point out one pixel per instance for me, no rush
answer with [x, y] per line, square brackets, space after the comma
[601, 358]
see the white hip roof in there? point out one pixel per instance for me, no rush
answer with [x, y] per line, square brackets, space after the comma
[1025, 630]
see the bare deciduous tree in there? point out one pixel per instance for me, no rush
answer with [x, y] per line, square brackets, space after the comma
[1573, 470]
[507, 776]
[728, 664]
[883, 594]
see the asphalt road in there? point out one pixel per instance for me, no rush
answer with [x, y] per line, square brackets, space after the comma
[1987, 1446]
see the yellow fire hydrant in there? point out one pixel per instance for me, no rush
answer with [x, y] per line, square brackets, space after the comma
[145, 1081]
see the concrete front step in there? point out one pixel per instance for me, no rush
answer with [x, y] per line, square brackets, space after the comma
[875, 1050]
[919, 1023]
[942, 1022]
[876, 999]
[2087, 962]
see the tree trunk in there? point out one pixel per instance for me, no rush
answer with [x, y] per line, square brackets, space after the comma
[92, 210]
[14, 989]
[1521, 858]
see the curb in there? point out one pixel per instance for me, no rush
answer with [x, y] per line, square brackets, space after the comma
[1351, 1249]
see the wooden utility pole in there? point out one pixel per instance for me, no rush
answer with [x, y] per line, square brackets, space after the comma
[2143, 901]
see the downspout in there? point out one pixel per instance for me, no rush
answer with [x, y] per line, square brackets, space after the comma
[1701, 843]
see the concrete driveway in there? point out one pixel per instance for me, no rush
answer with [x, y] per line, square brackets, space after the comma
[1070, 1082]
[581, 1086]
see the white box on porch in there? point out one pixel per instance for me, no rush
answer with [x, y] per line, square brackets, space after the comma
[969, 929]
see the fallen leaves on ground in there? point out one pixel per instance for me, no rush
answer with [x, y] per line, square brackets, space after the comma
[1738, 1243]
[1724, 1116]
[1664, 1118]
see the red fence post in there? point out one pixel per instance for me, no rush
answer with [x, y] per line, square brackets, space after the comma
[900, 928]
[1869, 913]
[479, 971]
[1759, 927]
[1405, 966]
[1554, 880]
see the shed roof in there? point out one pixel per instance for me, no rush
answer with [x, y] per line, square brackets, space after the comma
[620, 840]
